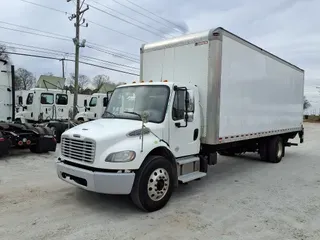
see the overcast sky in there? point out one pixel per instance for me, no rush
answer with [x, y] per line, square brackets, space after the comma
[288, 28]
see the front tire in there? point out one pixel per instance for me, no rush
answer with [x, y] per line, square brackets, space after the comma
[153, 184]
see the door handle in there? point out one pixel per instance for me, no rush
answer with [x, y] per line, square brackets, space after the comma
[195, 134]
[46, 110]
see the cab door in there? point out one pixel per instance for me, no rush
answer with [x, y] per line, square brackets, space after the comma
[47, 110]
[184, 136]
[61, 106]
[92, 109]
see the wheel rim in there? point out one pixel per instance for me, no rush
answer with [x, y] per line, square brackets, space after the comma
[280, 150]
[158, 184]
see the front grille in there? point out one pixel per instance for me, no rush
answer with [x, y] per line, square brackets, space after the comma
[81, 150]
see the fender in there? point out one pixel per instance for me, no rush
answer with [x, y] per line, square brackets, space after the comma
[150, 144]
[82, 115]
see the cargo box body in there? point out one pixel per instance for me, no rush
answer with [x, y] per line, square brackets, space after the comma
[5, 92]
[245, 91]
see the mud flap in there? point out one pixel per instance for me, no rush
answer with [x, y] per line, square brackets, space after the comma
[301, 135]
[47, 143]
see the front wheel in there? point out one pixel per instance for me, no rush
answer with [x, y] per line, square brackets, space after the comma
[153, 184]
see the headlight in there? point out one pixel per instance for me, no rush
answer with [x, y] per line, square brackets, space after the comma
[123, 156]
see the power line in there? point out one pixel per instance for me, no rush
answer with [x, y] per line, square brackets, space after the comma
[57, 52]
[138, 21]
[29, 46]
[33, 50]
[114, 54]
[172, 23]
[124, 20]
[113, 49]
[33, 29]
[43, 6]
[109, 62]
[124, 34]
[37, 34]
[142, 14]
[65, 38]
[111, 69]
[71, 60]
[100, 25]
[59, 35]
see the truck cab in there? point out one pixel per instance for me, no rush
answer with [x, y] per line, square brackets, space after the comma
[43, 105]
[141, 122]
[96, 107]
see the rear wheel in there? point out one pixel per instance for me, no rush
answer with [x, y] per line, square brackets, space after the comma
[153, 184]
[57, 131]
[276, 148]
[272, 149]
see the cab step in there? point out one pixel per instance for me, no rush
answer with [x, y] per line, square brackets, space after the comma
[191, 176]
[186, 160]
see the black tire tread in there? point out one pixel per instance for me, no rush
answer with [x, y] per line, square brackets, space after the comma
[272, 149]
[135, 192]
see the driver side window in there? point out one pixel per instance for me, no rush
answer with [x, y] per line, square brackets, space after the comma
[93, 102]
[178, 109]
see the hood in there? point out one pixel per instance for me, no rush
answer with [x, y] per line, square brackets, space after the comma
[108, 127]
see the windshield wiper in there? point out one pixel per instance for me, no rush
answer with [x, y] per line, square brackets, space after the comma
[134, 113]
[110, 113]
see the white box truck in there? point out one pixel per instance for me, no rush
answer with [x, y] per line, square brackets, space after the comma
[199, 95]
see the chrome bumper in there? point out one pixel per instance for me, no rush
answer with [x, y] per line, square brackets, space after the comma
[101, 182]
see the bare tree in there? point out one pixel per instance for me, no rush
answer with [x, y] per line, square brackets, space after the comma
[83, 81]
[24, 79]
[3, 54]
[100, 80]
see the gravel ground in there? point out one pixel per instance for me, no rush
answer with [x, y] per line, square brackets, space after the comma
[241, 198]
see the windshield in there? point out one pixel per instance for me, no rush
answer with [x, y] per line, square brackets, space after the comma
[138, 99]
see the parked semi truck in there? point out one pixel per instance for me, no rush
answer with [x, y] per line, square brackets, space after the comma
[97, 105]
[199, 95]
[50, 107]
[14, 135]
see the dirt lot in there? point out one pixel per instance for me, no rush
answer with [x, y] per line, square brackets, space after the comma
[241, 198]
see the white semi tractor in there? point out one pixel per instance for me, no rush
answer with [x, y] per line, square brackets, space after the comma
[49, 107]
[96, 107]
[199, 95]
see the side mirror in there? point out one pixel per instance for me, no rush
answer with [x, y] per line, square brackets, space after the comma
[85, 103]
[20, 100]
[105, 102]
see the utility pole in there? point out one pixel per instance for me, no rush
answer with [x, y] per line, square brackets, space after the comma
[80, 21]
[63, 72]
